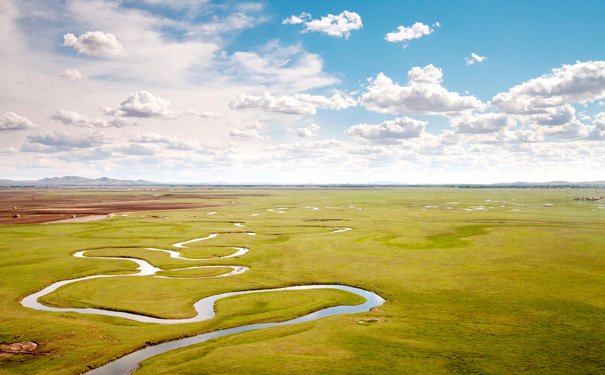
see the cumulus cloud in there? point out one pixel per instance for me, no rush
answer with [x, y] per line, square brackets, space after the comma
[249, 131]
[295, 20]
[422, 95]
[570, 130]
[597, 132]
[474, 58]
[10, 121]
[151, 138]
[404, 34]
[246, 134]
[389, 132]
[578, 83]
[482, 123]
[144, 104]
[60, 141]
[309, 131]
[299, 104]
[333, 25]
[554, 116]
[72, 74]
[599, 121]
[74, 118]
[96, 43]
[546, 102]
[205, 114]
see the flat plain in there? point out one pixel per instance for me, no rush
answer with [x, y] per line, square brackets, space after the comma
[476, 281]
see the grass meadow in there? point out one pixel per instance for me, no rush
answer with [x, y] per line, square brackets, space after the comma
[476, 281]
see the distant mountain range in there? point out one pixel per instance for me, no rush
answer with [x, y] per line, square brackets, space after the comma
[76, 181]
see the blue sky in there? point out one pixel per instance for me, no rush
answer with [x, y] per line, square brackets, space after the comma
[298, 92]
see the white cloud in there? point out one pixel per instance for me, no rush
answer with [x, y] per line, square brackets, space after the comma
[255, 125]
[299, 104]
[61, 141]
[482, 123]
[505, 137]
[474, 58]
[178, 4]
[152, 138]
[404, 34]
[291, 67]
[246, 134]
[309, 131]
[72, 74]
[546, 102]
[597, 131]
[10, 121]
[249, 131]
[389, 132]
[422, 95]
[295, 20]
[145, 105]
[74, 118]
[554, 116]
[176, 144]
[231, 23]
[368, 150]
[579, 83]
[141, 104]
[205, 114]
[133, 149]
[333, 25]
[95, 43]
[570, 130]
[599, 121]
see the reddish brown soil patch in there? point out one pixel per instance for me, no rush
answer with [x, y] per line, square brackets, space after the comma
[23, 347]
[197, 196]
[40, 206]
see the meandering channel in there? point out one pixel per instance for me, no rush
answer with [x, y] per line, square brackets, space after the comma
[204, 307]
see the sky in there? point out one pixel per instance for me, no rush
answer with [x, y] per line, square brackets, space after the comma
[294, 92]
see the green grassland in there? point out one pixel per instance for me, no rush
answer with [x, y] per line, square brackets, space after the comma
[476, 281]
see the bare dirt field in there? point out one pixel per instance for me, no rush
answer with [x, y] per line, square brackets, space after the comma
[38, 206]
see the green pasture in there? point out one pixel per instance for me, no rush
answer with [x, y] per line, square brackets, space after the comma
[476, 281]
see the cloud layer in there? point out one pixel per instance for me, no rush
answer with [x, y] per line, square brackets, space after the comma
[229, 91]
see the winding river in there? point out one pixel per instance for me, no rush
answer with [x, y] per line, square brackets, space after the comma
[204, 307]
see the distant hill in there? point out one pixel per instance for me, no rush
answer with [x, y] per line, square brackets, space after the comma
[553, 184]
[76, 181]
